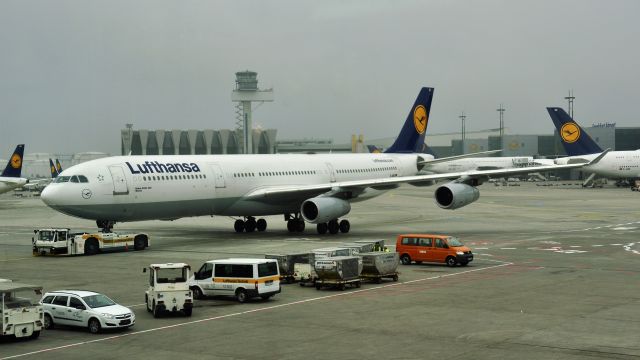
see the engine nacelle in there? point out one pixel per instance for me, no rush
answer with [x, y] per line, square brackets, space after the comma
[455, 195]
[323, 209]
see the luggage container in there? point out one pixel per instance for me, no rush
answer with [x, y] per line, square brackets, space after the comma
[286, 264]
[337, 272]
[324, 253]
[359, 247]
[378, 265]
[378, 245]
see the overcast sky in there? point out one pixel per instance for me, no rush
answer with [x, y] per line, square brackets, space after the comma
[72, 73]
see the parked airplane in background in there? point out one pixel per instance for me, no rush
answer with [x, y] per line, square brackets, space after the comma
[10, 178]
[314, 188]
[581, 149]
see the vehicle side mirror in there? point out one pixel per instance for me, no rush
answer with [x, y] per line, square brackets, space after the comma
[80, 307]
[144, 270]
[35, 231]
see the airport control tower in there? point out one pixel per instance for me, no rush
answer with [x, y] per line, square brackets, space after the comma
[245, 93]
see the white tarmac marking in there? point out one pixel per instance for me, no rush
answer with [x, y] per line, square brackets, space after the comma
[248, 312]
[575, 246]
[508, 248]
[629, 247]
[481, 249]
[615, 244]
[597, 245]
[623, 228]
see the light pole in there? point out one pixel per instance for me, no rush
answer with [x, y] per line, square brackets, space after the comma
[463, 117]
[501, 110]
[570, 99]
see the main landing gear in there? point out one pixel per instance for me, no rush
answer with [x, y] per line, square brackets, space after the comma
[334, 226]
[250, 224]
[294, 224]
[105, 225]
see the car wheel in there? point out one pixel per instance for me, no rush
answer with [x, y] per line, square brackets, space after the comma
[265, 297]
[94, 326]
[464, 263]
[241, 296]
[156, 310]
[451, 261]
[139, 243]
[48, 322]
[35, 335]
[405, 259]
[91, 246]
[197, 293]
[187, 312]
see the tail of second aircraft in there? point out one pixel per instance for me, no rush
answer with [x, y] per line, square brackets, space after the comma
[14, 167]
[575, 140]
[411, 138]
[54, 170]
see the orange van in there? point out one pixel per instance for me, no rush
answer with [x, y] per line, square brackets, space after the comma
[432, 248]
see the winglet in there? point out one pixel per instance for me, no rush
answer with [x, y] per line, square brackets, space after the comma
[599, 157]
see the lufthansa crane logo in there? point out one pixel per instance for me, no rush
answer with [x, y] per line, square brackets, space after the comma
[570, 132]
[86, 193]
[420, 119]
[16, 161]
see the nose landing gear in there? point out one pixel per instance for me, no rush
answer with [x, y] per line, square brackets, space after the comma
[105, 225]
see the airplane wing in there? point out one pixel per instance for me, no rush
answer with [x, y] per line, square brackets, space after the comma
[451, 158]
[355, 187]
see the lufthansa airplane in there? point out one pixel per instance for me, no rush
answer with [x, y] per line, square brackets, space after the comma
[313, 188]
[581, 148]
[10, 178]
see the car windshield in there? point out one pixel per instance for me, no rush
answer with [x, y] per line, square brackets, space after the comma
[98, 301]
[168, 275]
[453, 241]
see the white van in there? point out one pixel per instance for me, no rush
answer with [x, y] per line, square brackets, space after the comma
[242, 278]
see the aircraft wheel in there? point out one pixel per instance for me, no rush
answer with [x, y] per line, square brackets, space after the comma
[291, 225]
[250, 225]
[333, 226]
[261, 225]
[322, 228]
[239, 226]
[345, 226]
[300, 225]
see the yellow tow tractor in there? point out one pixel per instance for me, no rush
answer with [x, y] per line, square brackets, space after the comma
[54, 241]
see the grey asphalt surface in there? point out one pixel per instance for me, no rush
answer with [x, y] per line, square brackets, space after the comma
[556, 276]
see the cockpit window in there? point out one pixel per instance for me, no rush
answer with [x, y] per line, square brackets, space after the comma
[83, 179]
[62, 179]
[74, 179]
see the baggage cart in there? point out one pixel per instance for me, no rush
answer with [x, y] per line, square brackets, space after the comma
[380, 265]
[337, 272]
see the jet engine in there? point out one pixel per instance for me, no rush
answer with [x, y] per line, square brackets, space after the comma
[323, 209]
[455, 195]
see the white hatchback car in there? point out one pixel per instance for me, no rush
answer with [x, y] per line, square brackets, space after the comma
[84, 308]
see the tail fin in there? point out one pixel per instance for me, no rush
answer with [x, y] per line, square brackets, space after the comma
[58, 166]
[575, 140]
[54, 171]
[14, 167]
[411, 136]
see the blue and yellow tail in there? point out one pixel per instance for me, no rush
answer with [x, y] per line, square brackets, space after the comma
[575, 140]
[411, 138]
[54, 171]
[14, 167]
[58, 166]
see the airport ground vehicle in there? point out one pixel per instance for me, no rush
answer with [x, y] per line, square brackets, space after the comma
[636, 186]
[88, 309]
[287, 263]
[337, 271]
[432, 248]
[20, 314]
[55, 241]
[242, 278]
[168, 289]
[379, 265]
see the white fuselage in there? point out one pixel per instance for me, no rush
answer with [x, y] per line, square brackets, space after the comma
[615, 164]
[484, 163]
[10, 183]
[130, 188]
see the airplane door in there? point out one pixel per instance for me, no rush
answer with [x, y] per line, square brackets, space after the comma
[218, 175]
[119, 180]
[332, 173]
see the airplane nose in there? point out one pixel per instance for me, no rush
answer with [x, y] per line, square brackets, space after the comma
[48, 196]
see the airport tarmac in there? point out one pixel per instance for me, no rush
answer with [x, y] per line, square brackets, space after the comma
[556, 275]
